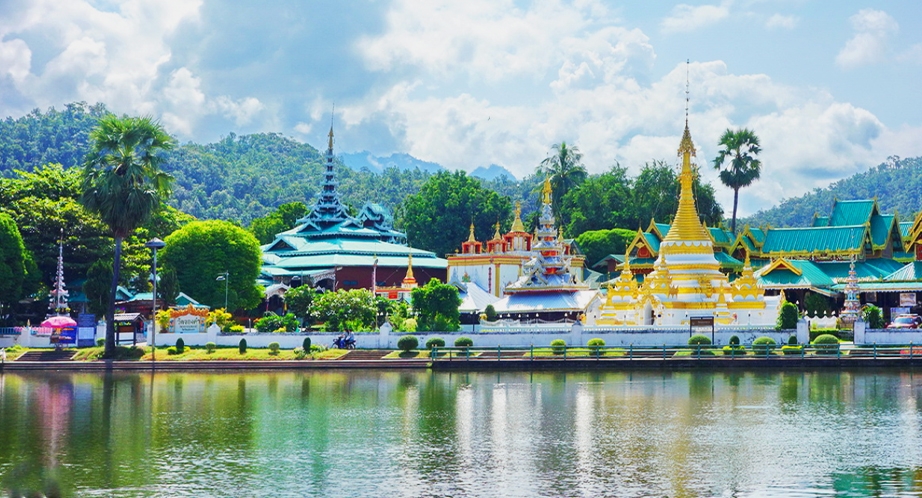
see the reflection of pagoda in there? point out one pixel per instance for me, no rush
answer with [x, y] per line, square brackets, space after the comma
[547, 290]
[686, 280]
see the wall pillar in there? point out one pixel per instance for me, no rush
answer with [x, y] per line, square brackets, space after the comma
[803, 331]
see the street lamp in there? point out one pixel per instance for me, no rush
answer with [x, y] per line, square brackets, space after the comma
[225, 277]
[154, 245]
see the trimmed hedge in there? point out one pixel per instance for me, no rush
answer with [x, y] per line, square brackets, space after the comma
[734, 350]
[210, 347]
[763, 344]
[242, 346]
[699, 340]
[826, 344]
[464, 342]
[407, 343]
[274, 348]
[435, 342]
[559, 346]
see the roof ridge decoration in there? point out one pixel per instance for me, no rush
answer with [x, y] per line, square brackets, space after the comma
[517, 225]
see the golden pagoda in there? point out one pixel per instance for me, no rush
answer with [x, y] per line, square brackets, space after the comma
[686, 281]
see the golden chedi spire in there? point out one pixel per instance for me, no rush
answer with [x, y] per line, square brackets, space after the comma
[517, 225]
[471, 238]
[547, 190]
[686, 226]
[497, 235]
[409, 281]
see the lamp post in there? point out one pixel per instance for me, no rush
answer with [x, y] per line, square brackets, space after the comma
[226, 278]
[154, 245]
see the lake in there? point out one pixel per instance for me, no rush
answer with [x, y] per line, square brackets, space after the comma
[418, 433]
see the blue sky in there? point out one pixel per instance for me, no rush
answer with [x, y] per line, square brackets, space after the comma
[831, 88]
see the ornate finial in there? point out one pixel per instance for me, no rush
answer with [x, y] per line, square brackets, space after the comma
[747, 263]
[547, 190]
[687, 62]
[627, 261]
[517, 225]
[471, 238]
[409, 281]
[330, 145]
[497, 236]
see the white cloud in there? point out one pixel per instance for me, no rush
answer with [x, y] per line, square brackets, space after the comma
[686, 18]
[15, 59]
[873, 29]
[778, 21]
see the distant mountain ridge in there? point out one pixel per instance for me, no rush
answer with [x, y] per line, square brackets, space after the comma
[357, 161]
[896, 184]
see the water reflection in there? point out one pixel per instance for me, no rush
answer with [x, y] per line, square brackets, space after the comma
[793, 433]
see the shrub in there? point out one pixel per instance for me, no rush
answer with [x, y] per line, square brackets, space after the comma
[596, 343]
[559, 346]
[101, 341]
[435, 342]
[210, 347]
[734, 340]
[300, 353]
[826, 344]
[407, 343]
[787, 318]
[235, 329]
[409, 325]
[180, 346]
[791, 349]
[763, 344]
[171, 350]
[317, 348]
[274, 348]
[490, 311]
[814, 333]
[792, 340]
[271, 322]
[242, 346]
[699, 340]
[734, 350]
[464, 342]
[306, 344]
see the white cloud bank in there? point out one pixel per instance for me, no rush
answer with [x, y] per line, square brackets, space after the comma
[873, 29]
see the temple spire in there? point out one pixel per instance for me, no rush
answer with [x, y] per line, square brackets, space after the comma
[517, 225]
[409, 281]
[470, 237]
[686, 226]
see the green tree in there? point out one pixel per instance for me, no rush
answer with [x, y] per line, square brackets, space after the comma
[283, 218]
[601, 202]
[438, 217]
[436, 306]
[655, 196]
[14, 263]
[354, 308]
[299, 301]
[167, 286]
[202, 250]
[96, 286]
[567, 172]
[737, 163]
[597, 244]
[123, 185]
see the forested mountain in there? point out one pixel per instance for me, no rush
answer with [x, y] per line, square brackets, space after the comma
[897, 185]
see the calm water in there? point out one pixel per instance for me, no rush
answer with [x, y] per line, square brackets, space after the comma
[432, 434]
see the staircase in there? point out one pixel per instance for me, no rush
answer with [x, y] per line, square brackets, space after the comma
[364, 355]
[47, 355]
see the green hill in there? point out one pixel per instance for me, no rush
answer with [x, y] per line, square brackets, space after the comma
[897, 185]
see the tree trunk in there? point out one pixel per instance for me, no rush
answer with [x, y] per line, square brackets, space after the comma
[110, 312]
[736, 197]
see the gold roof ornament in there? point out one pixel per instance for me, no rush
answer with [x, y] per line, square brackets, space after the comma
[471, 238]
[517, 225]
[409, 281]
[686, 226]
[497, 236]
[330, 145]
[547, 190]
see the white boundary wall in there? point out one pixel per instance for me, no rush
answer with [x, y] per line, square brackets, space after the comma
[864, 335]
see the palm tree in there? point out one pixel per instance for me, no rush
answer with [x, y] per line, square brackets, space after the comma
[566, 172]
[124, 185]
[740, 147]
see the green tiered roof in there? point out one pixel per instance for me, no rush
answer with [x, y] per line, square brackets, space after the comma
[328, 237]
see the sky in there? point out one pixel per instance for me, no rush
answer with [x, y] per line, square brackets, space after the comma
[830, 88]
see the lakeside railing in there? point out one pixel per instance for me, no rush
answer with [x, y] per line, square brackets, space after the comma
[685, 352]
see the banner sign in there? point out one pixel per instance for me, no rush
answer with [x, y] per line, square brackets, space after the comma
[907, 299]
[86, 330]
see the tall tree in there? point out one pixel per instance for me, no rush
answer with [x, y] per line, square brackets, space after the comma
[566, 170]
[14, 263]
[203, 250]
[124, 185]
[737, 163]
[436, 304]
[438, 217]
[603, 201]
